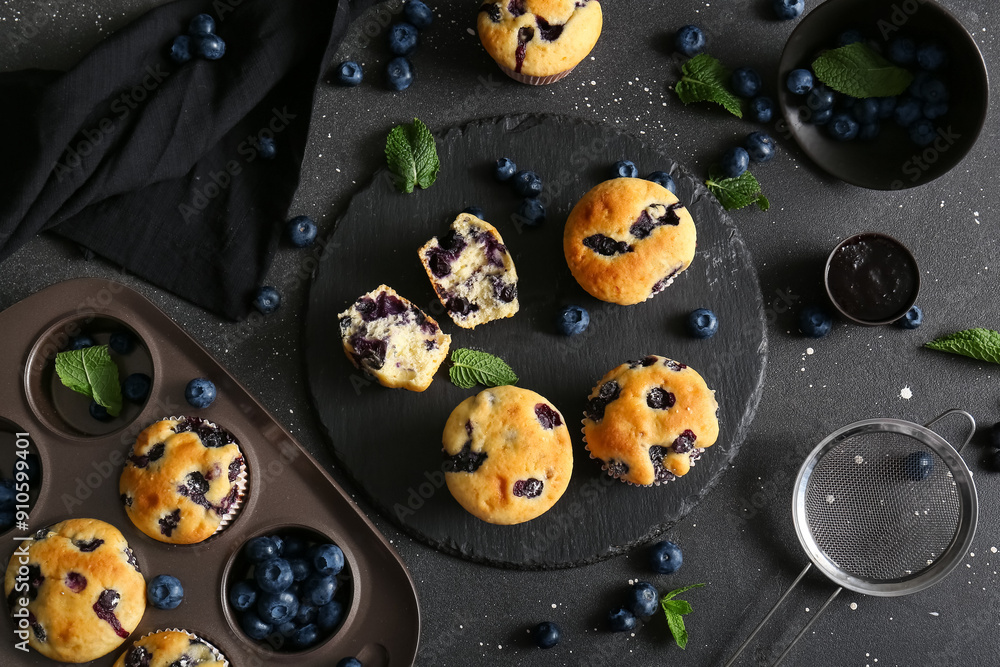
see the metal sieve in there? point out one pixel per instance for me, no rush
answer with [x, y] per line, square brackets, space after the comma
[882, 507]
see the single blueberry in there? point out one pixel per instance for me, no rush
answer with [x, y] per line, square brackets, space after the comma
[622, 620]
[934, 90]
[843, 127]
[327, 558]
[267, 300]
[260, 549]
[902, 51]
[922, 132]
[918, 466]
[531, 212]
[799, 81]
[164, 592]
[180, 49]
[820, 98]
[202, 24]
[734, 162]
[762, 109]
[99, 412]
[273, 575]
[848, 37]
[913, 318]
[350, 661]
[664, 179]
[624, 169]
[305, 636]
[690, 40]
[403, 38]
[746, 82]
[255, 627]
[210, 47]
[527, 183]
[476, 211]
[866, 110]
[302, 231]
[277, 608]
[787, 10]
[760, 146]
[546, 634]
[349, 73]
[319, 589]
[136, 386]
[418, 14]
[266, 148]
[200, 393]
[886, 105]
[932, 56]
[814, 322]
[301, 568]
[702, 323]
[907, 112]
[572, 320]
[329, 615]
[81, 342]
[643, 599]
[869, 131]
[665, 557]
[122, 342]
[399, 73]
[505, 169]
[242, 595]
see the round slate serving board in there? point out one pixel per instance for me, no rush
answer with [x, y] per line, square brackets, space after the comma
[389, 440]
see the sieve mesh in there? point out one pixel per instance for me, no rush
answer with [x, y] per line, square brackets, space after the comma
[870, 513]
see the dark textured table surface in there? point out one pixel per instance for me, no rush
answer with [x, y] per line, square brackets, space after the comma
[740, 540]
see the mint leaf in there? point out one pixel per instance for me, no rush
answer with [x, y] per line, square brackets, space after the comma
[982, 344]
[859, 71]
[736, 193]
[675, 611]
[93, 373]
[705, 79]
[472, 367]
[412, 156]
[678, 591]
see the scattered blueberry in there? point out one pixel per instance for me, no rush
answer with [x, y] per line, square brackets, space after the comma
[664, 179]
[851, 36]
[136, 386]
[329, 615]
[81, 342]
[624, 169]
[690, 40]
[800, 81]
[349, 662]
[164, 592]
[302, 231]
[922, 132]
[527, 183]
[210, 47]
[476, 211]
[200, 393]
[918, 466]
[399, 73]
[202, 24]
[907, 112]
[255, 627]
[787, 10]
[532, 212]
[572, 320]
[349, 73]
[267, 300]
[180, 49]
[762, 109]
[327, 558]
[643, 599]
[665, 557]
[866, 110]
[403, 38]
[266, 148]
[622, 620]
[746, 82]
[273, 575]
[932, 56]
[505, 169]
[843, 127]
[914, 318]
[734, 162]
[418, 14]
[814, 322]
[760, 146]
[99, 412]
[546, 634]
[277, 608]
[702, 323]
[260, 549]
[902, 51]
[242, 595]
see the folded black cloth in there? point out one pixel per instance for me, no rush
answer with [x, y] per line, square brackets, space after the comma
[155, 165]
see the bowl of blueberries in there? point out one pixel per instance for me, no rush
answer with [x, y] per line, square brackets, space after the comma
[883, 94]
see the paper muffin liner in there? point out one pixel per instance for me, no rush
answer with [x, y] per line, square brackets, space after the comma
[534, 80]
[216, 653]
[694, 455]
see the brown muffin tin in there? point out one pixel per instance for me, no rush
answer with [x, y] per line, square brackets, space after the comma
[81, 461]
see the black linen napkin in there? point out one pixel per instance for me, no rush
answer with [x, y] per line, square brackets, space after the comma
[154, 165]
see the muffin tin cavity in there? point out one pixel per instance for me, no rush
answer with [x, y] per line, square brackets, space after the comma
[20, 474]
[68, 412]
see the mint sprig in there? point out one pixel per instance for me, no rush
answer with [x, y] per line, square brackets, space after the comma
[675, 610]
[981, 344]
[412, 156]
[859, 71]
[93, 373]
[705, 79]
[472, 367]
[736, 193]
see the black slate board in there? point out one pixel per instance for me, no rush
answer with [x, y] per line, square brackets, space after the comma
[390, 440]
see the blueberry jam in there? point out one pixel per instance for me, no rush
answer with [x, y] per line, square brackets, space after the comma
[659, 399]
[528, 488]
[440, 259]
[86, 546]
[493, 249]
[460, 306]
[492, 10]
[524, 35]
[138, 657]
[549, 33]
[505, 292]
[195, 487]
[169, 522]
[211, 435]
[684, 442]
[516, 7]
[381, 307]
[105, 610]
[155, 453]
[674, 365]
[606, 246]
[547, 417]
[75, 581]
[368, 351]
[234, 468]
[872, 278]
[646, 222]
[609, 391]
[465, 461]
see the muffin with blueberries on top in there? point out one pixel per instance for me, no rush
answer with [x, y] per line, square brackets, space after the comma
[539, 41]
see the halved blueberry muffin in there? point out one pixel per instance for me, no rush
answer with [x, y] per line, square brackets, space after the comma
[183, 481]
[85, 594]
[171, 648]
[648, 421]
[472, 272]
[539, 41]
[627, 239]
[399, 344]
[507, 455]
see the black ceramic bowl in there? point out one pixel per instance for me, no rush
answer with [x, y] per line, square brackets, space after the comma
[872, 279]
[892, 161]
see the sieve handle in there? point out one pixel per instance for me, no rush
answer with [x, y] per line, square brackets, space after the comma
[956, 411]
[769, 615]
[806, 629]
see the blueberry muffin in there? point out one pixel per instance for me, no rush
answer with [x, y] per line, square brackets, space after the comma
[183, 480]
[472, 272]
[170, 648]
[627, 239]
[82, 589]
[392, 339]
[648, 421]
[507, 455]
[539, 41]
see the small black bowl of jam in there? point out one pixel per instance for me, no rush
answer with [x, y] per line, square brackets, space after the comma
[872, 279]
